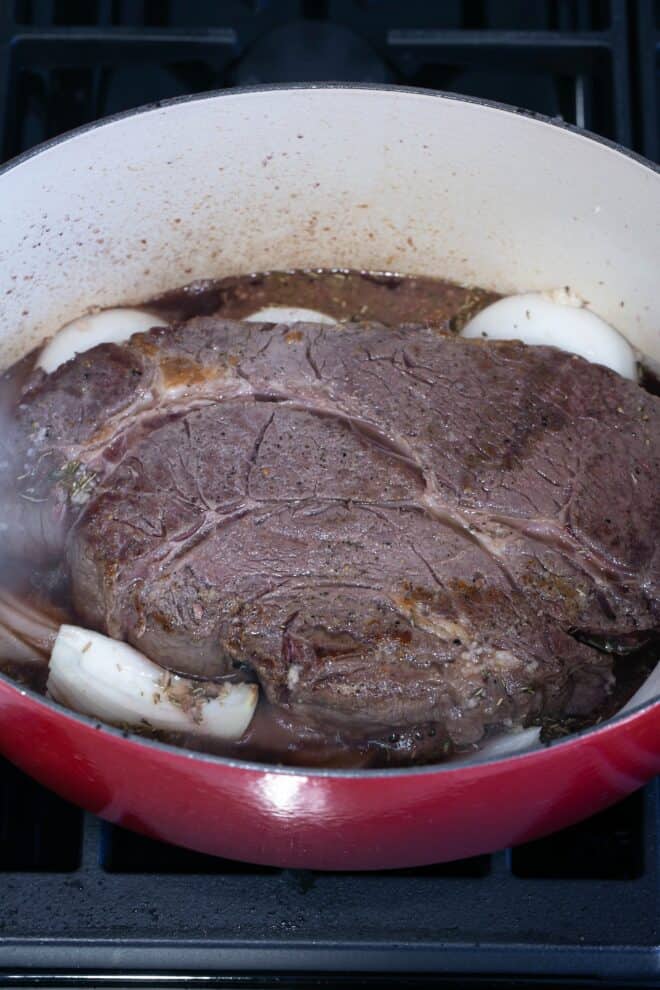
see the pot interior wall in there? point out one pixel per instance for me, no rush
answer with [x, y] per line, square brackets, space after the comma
[359, 178]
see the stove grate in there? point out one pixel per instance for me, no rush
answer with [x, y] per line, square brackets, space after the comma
[77, 893]
[64, 63]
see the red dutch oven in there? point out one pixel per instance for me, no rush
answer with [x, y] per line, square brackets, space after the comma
[330, 176]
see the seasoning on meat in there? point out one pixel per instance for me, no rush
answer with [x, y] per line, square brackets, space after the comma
[400, 533]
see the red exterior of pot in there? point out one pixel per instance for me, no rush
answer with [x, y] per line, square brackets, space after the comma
[333, 821]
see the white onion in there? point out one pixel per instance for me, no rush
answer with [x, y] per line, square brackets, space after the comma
[288, 314]
[109, 326]
[558, 320]
[502, 745]
[111, 681]
[27, 633]
[648, 690]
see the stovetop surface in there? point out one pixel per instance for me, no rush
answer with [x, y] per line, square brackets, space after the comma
[80, 893]
[83, 902]
[592, 62]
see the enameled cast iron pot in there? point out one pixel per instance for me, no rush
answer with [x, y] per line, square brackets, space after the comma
[371, 178]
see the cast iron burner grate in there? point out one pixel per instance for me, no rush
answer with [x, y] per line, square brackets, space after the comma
[81, 900]
[591, 62]
[81, 895]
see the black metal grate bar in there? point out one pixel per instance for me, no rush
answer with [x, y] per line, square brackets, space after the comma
[648, 79]
[577, 55]
[570, 60]
[89, 46]
[584, 900]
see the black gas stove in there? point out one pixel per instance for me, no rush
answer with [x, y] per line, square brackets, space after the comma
[85, 903]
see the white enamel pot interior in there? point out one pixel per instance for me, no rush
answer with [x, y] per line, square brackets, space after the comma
[386, 179]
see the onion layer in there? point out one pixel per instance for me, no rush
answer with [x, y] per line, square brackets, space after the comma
[288, 314]
[109, 680]
[556, 319]
[109, 326]
[27, 633]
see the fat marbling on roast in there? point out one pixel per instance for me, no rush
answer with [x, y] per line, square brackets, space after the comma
[393, 529]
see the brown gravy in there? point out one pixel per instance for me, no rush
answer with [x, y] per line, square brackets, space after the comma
[344, 295]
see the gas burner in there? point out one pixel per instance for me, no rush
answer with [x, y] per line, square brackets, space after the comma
[324, 52]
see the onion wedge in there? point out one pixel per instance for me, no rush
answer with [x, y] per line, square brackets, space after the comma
[108, 326]
[111, 681]
[288, 314]
[27, 633]
[559, 320]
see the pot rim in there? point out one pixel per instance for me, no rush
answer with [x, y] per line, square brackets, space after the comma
[213, 94]
[235, 763]
[316, 772]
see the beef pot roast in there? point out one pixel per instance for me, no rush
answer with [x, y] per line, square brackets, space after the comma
[392, 529]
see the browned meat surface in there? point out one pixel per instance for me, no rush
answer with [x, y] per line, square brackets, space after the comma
[394, 530]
